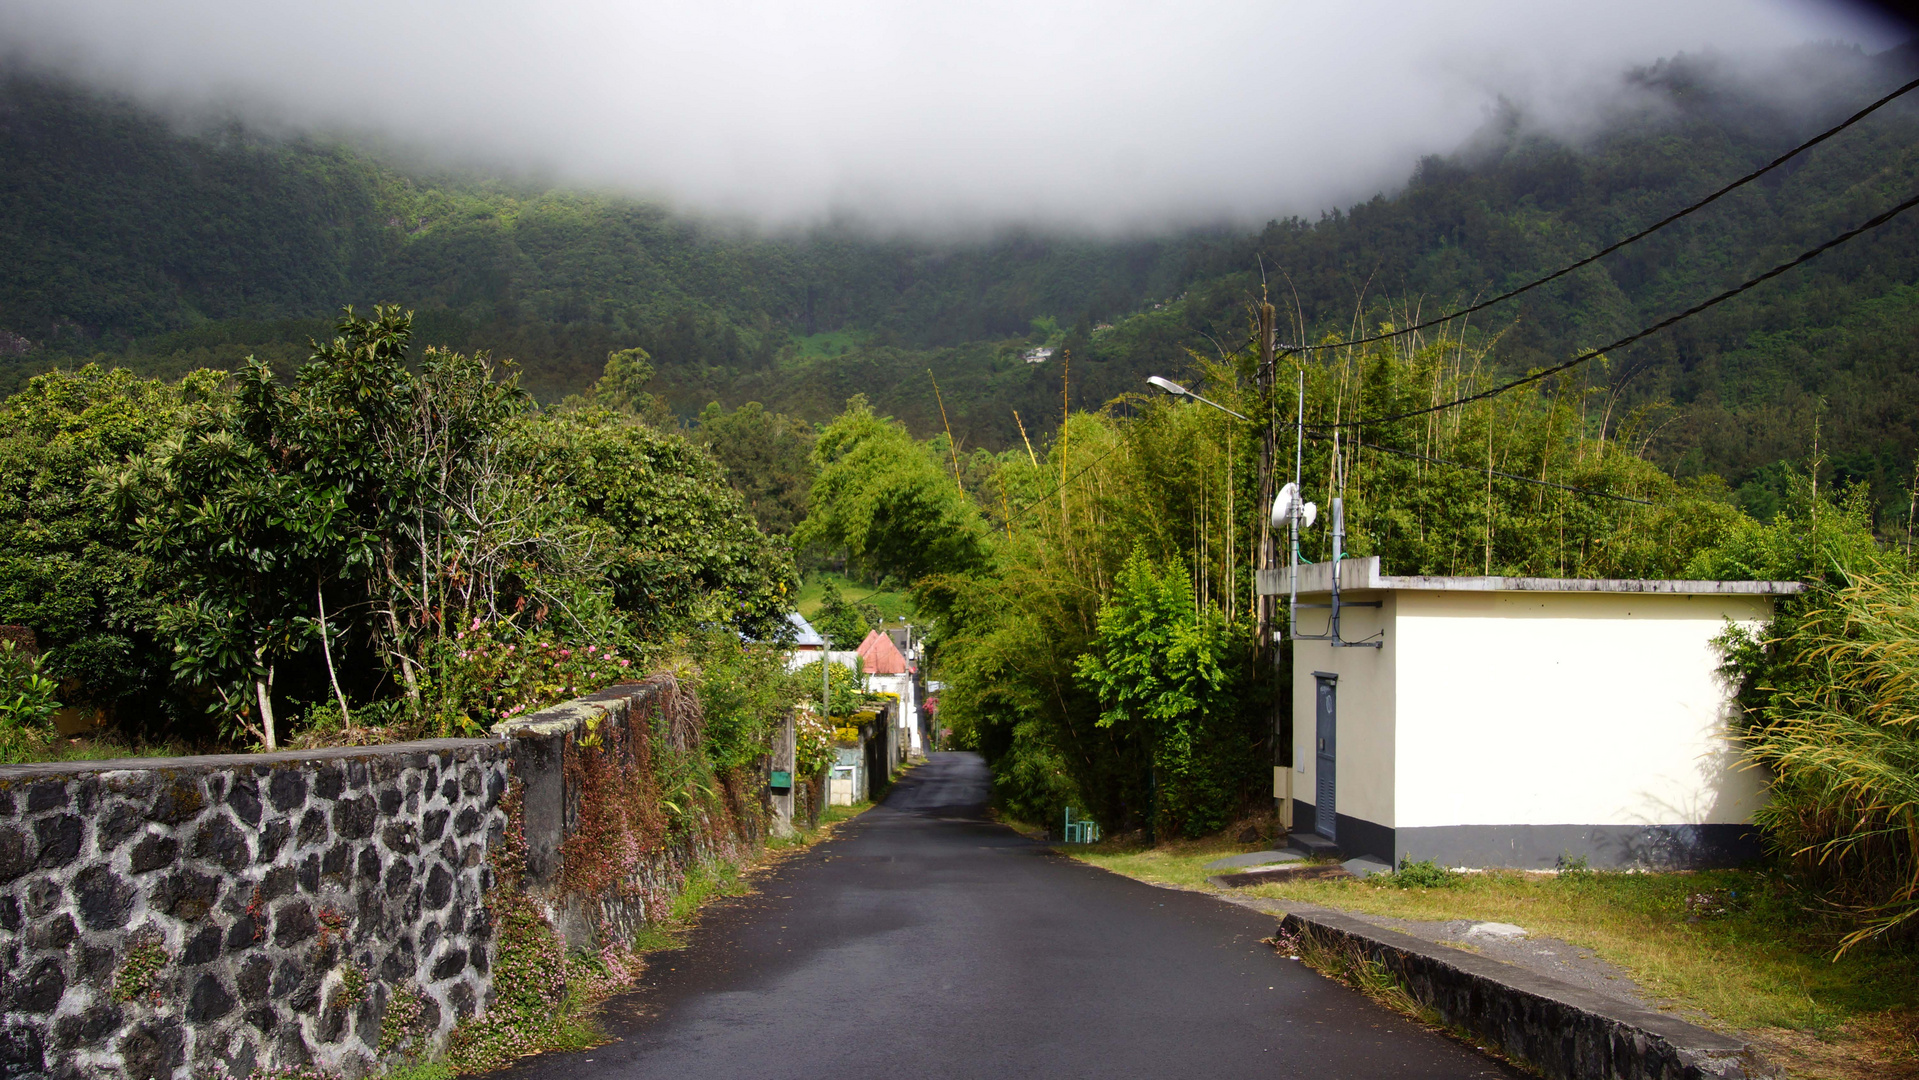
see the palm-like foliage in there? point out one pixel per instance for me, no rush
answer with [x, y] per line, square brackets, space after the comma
[1840, 731]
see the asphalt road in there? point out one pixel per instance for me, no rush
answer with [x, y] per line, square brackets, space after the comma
[924, 942]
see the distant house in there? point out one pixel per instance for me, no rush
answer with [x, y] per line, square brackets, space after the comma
[890, 667]
[805, 638]
[808, 645]
[1038, 356]
[1510, 722]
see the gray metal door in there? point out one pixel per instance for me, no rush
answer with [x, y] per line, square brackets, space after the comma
[1325, 763]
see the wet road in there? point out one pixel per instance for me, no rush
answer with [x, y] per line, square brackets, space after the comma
[925, 942]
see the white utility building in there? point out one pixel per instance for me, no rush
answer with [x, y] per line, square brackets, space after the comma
[1507, 722]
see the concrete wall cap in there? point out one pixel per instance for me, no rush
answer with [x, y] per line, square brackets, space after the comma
[107, 767]
[1358, 575]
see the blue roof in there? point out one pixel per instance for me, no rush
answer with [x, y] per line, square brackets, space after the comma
[804, 632]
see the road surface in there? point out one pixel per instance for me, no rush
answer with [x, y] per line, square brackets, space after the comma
[923, 942]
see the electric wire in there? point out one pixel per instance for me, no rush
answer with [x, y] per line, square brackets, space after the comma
[1057, 488]
[1526, 380]
[1318, 430]
[1634, 238]
[1495, 472]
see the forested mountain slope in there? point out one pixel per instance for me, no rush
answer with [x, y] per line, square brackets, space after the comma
[170, 247]
[123, 231]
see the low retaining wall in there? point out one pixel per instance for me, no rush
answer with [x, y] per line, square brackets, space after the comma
[1564, 1032]
[166, 916]
[175, 918]
[601, 859]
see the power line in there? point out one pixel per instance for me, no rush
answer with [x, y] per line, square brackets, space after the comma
[1057, 488]
[1869, 225]
[1634, 238]
[1496, 472]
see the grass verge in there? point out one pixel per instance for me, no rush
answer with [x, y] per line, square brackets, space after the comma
[528, 1020]
[1741, 950]
[102, 747]
[727, 879]
[1344, 962]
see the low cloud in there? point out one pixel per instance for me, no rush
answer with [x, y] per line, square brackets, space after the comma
[1114, 116]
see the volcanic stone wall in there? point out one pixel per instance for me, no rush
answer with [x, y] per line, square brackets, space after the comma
[192, 916]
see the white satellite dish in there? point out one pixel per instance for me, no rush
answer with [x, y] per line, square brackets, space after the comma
[1288, 507]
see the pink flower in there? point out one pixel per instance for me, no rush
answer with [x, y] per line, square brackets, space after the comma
[591, 649]
[476, 623]
[626, 663]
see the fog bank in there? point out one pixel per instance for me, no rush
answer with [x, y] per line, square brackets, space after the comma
[1117, 116]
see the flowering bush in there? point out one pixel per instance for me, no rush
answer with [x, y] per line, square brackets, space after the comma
[812, 742]
[495, 670]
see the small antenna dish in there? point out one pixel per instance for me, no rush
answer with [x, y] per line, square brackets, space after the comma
[1288, 507]
[1167, 385]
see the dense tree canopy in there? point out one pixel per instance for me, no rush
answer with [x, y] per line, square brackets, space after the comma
[387, 539]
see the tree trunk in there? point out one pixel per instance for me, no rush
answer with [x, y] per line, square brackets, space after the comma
[263, 688]
[326, 649]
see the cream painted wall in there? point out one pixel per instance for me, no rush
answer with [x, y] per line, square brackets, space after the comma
[1364, 785]
[1563, 708]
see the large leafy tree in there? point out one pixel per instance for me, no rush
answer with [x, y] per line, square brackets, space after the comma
[1175, 673]
[68, 568]
[888, 503]
[767, 457]
[678, 543]
[363, 509]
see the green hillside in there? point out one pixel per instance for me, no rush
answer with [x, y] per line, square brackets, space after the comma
[167, 249]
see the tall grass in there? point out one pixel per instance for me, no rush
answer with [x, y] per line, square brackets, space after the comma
[1839, 729]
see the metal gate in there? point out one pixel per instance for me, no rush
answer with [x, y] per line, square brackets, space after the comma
[1325, 763]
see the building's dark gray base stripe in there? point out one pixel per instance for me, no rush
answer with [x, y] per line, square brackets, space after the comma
[1539, 847]
[1542, 847]
[1562, 1031]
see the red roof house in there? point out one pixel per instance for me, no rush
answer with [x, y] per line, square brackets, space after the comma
[879, 656]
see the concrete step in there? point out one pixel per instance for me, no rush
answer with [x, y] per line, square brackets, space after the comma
[1311, 844]
[1254, 858]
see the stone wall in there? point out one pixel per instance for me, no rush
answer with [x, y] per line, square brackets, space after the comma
[191, 917]
[597, 861]
[173, 917]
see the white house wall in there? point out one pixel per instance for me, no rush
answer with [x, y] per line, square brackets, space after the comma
[1365, 787]
[1532, 725]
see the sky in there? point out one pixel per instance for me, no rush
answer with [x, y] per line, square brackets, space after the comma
[1112, 117]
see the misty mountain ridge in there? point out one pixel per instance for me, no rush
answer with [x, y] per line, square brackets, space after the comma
[164, 249]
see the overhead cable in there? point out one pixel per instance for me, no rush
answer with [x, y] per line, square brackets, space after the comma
[1634, 238]
[1807, 256]
[1506, 475]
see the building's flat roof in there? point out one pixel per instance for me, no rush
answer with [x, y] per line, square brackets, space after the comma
[1359, 574]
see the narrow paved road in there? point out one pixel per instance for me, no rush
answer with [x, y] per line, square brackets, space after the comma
[925, 942]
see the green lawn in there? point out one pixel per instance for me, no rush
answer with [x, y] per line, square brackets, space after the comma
[1739, 947]
[894, 607]
[831, 343]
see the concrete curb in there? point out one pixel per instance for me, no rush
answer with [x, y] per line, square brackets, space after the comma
[1563, 1031]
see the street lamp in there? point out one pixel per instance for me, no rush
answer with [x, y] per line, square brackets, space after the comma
[1177, 390]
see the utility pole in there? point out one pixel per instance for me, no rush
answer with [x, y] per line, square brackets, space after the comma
[1265, 377]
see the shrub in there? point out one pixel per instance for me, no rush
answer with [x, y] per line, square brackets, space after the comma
[1837, 723]
[27, 703]
[1424, 874]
